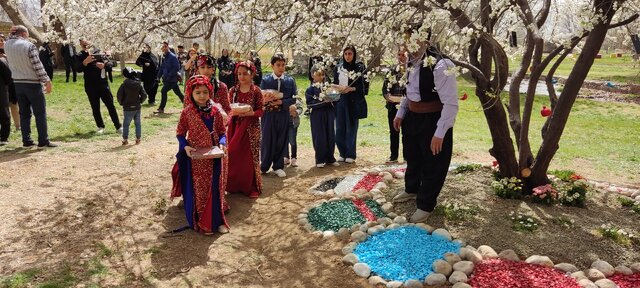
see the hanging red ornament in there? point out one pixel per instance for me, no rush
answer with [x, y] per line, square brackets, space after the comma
[545, 112]
[464, 96]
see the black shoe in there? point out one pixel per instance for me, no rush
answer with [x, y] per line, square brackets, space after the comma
[28, 144]
[48, 145]
[391, 161]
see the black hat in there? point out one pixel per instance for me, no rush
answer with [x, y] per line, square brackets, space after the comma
[129, 73]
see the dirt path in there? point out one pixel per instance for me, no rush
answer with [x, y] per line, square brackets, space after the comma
[69, 210]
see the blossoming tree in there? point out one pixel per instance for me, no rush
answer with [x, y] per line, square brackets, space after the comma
[471, 32]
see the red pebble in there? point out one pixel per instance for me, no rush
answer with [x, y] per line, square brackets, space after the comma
[498, 273]
[626, 281]
[367, 182]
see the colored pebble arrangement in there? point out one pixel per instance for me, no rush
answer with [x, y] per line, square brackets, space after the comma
[505, 273]
[334, 215]
[403, 253]
[388, 251]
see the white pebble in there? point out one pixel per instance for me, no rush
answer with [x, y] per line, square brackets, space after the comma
[377, 280]
[394, 284]
[349, 248]
[328, 234]
[435, 279]
[358, 236]
[362, 270]
[426, 227]
[487, 252]
[400, 220]
[350, 259]
[540, 260]
[442, 267]
[566, 267]
[412, 283]
[387, 207]
[586, 283]
[452, 258]
[603, 267]
[509, 255]
[623, 270]
[635, 267]
[606, 283]
[442, 233]
[461, 285]
[595, 274]
[458, 276]
[465, 267]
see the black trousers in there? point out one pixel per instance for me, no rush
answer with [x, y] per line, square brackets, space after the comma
[70, 66]
[151, 87]
[5, 116]
[426, 172]
[97, 91]
[394, 136]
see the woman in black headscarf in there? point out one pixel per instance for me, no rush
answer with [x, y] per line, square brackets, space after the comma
[225, 67]
[352, 105]
[149, 63]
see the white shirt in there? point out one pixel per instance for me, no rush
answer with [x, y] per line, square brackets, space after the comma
[447, 89]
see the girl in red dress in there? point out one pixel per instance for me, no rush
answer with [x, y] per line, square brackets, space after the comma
[244, 134]
[206, 65]
[200, 182]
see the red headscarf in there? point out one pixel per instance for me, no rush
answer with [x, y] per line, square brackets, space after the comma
[194, 81]
[246, 64]
[205, 59]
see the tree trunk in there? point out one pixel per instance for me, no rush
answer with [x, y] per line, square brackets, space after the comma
[17, 18]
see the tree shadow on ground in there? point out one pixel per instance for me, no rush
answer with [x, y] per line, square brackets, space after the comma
[17, 154]
[72, 137]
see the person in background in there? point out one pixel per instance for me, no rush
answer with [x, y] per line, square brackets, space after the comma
[46, 57]
[29, 77]
[130, 95]
[149, 63]
[13, 100]
[68, 52]
[226, 66]
[109, 68]
[92, 62]
[190, 65]
[5, 82]
[183, 56]
[253, 57]
[169, 73]
[392, 86]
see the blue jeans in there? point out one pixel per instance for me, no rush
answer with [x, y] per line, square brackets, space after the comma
[128, 116]
[165, 89]
[31, 98]
[346, 130]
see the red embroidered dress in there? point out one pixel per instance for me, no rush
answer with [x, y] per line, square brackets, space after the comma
[244, 145]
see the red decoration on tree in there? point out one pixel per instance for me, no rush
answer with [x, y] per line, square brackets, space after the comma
[545, 112]
[495, 163]
[464, 96]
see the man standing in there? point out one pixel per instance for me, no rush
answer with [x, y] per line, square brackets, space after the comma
[92, 63]
[182, 58]
[28, 77]
[427, 116]
[69, 56]
[149, 63]
[393, 86]
[46, 57]
[169, 69]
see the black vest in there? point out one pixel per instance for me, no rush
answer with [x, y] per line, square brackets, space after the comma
[427, 84]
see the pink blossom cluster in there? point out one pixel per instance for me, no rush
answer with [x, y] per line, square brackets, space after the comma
[545, 191]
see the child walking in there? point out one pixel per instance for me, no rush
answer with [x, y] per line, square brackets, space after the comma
[130, 95]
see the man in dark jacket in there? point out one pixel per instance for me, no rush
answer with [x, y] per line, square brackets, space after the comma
[169, 70]
[46, 57]
[149, 63]
[68, 52]
[5, 117]
[91, 62]
[130, 95]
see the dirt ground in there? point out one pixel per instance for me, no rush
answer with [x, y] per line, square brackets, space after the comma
[98, 213]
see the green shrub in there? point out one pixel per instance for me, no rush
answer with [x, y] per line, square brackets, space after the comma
[522, 222]
[625, 201]
[564, 175]
[456, 212]
[466, 168]
[573, 193]
[508, 188]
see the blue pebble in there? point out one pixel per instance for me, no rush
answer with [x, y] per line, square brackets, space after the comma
[403, 253]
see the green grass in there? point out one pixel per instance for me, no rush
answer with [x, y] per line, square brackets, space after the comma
[620, 70]
[20, 279]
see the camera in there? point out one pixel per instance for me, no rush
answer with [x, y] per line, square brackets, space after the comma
[99, 57]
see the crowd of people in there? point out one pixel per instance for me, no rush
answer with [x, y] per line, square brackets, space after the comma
[237, 125]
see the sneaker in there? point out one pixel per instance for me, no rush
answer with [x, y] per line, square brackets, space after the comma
[320, 165]
[280, 173]
[222, 229]
[340, 159]
[403, 197]
[100, 131]
[125, 142]
[119, 130]
[47, 145]
[419, 216]
[28, 144]
[293, 162]
[334, 164]
[286, 161]
[349, 160]
[137, 141]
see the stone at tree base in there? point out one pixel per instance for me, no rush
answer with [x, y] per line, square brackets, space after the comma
[461, 285]
[586, 283]
[358, 236]
[580, 275]
[328, 234]
[375, 229]
[458, 276]
[375, 280]
[442, 267]
[309, 228]
[354, 228]
[442, 233]
[635, 267]
[385, 221]
[302, 215]
[349, 248]
[603, 267]
[303, 221]
[540, 260]
[623, 270]
[487, 252]
[566, 267]
[350, 259]
[426, 227]
[387, 207]
[394, 284]
[606, 283]
[317, 233]
[393, 226]
[362, 270]
[452, 258]
[412, 283]
[594, 274]
[400, 220]
[392, 215]
[460, 242]
[509, 255]
[343, 233]
[465, 267]
[435, 279]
